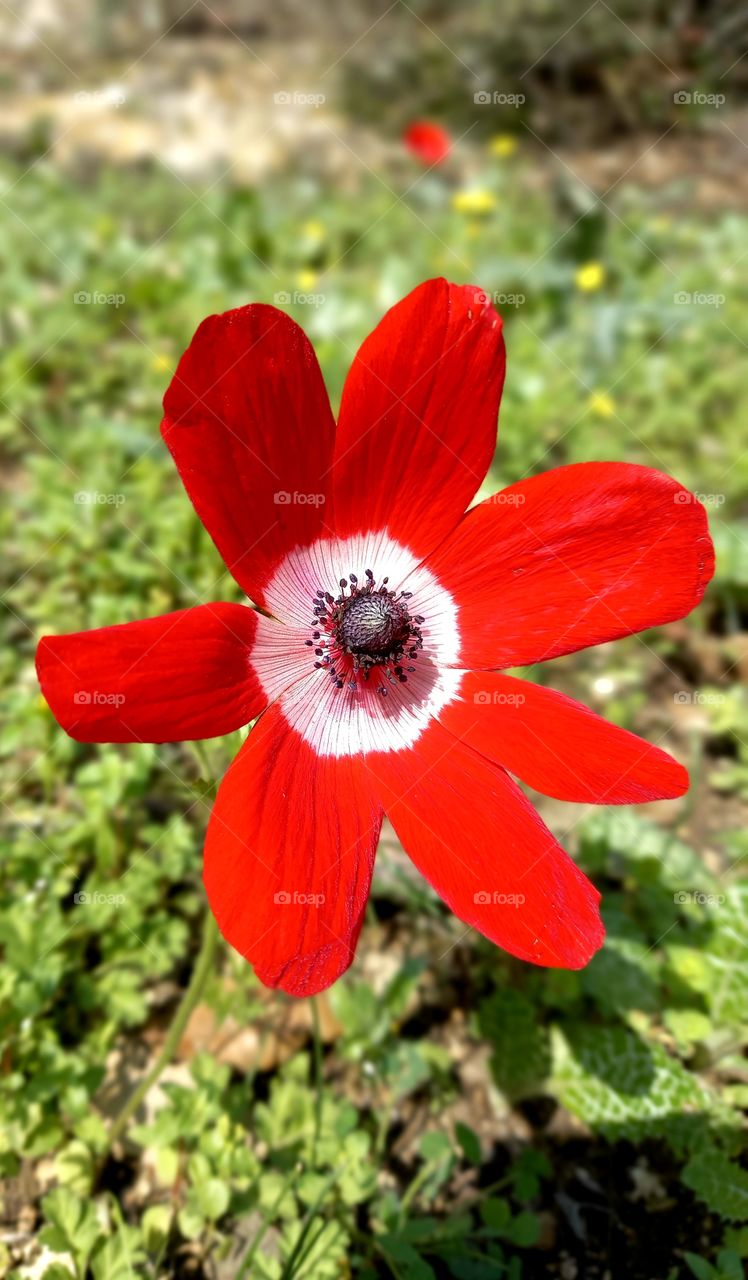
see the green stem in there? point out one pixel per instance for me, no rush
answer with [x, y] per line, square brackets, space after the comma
[383, 1125]
[200, 973]
[289, 1270]
[412, 1190]
[317, 1043]
[267, 1220]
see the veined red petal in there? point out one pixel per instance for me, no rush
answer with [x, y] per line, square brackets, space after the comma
[180, 676]
[557, 745]
[417, 423]
[574, 557]
[289, 855]
[477, 839]
[250, 428]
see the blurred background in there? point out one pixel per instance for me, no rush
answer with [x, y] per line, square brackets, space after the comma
[443, 1111]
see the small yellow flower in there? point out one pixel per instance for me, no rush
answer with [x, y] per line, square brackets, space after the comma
[307, 279]
[474, 201]
[590, 276]
[503, 145]
[161, 364]
[313, 230]
[602, 404]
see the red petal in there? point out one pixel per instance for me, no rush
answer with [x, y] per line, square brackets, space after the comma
[288, 826]
[572, 558]
[417, 425]
[479, 842]
[251, 431]
[557, 745]
[183, 675]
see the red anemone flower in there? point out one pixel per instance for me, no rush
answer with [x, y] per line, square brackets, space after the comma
[428, 142]
[388, 613]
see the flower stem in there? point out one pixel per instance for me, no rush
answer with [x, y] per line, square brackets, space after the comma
[201, 971]
[317, 1045]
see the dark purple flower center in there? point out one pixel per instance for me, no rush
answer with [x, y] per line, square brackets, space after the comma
[375, 623]
[365, 626]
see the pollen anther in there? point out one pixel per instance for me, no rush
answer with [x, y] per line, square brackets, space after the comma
[369, 627]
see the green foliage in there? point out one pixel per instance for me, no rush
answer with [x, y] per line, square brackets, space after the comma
[520, 1057]
[720, 1182]
[624, 1087]
[728, 1266]
[379, 1167]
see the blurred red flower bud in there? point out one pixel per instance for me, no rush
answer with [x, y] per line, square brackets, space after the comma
[428, 142]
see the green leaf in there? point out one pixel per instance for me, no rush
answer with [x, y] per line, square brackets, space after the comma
[167, 1165]
[520, 1060]
[435, 1145]
[409, 1265]
[525, 1230]
[469, 1142]
[118, 1257]
[727, 958]
[526, 1172]
[74, 1227]
[730, 1265]
[211, 1198]
[155, 1225]
[358, 1178]
[473, 1269]
[702, 1269]
[622, 975]
[623, 1087]
[495, 1213]
[720, 1183]
[191, 1222]
[416, 1229]
[688, 1026]
[613, 838]
[75, 1167]
[736, 1240]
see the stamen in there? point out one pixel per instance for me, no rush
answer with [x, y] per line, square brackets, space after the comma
[369, 627]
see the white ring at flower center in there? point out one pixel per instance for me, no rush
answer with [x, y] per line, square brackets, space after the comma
[341, 722]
